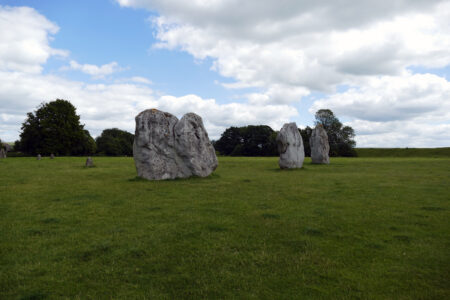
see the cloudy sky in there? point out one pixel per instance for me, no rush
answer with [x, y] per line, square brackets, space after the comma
[383, 67]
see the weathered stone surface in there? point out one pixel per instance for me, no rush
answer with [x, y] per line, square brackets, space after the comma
[290, 147]
[52, 156]
[38, 157]
[165, 148]
[193, 145]
[89, 162]
[2, 153]
[320, 147]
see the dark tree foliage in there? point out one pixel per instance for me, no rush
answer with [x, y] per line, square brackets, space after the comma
[230, 138]
[340, 137]
[247, 141]
[55, 128]
[306, 134]
[115, 142]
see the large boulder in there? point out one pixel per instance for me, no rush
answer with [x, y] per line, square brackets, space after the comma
[320, 147]
[165, 148]
[290, 147]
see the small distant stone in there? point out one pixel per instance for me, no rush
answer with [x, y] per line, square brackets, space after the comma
[290, 147]
[2, 153]
[320, 147]
[6, 147]
[52, 156]
[89, 162]
[39, 157]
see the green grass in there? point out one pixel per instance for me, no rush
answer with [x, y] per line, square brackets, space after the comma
[403, 152]
[370, 228]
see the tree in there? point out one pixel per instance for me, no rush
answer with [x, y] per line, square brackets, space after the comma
[229, 139]
[340, 137]
[115, 142]
[55, 128]
[306, 134]
[247, 141]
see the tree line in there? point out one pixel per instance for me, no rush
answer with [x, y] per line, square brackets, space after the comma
[54, 128]
[261, 140]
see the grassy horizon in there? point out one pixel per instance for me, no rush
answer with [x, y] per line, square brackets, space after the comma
[372, 228]
[403, 152]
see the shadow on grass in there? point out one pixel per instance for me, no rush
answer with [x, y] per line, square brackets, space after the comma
[34, 296]
[299, 246]
[313, 232]
[216, 228]
[96, 251]
[432, 208]
[279, 170]
[270, 216]
[192, 178]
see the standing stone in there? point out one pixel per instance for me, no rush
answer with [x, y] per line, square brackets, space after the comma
[165, 148]
[154, 146]
[52, 156]
[320, 147]
[38, 157]
[89, 162]
[193, 145]
[2, 153]
[6, 146]
[290, 147]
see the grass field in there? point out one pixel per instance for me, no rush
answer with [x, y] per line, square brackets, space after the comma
[370, 228]
[403, 152]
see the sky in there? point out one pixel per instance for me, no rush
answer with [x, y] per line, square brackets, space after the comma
[383, 67]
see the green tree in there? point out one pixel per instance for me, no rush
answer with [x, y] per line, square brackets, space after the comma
[55, 128]
[115, 142]
[341, 138]
[248, 141]
[229, 139]
[306, 134]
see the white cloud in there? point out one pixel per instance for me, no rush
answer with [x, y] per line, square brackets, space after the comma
[313, 57]
[139, 79]
[288, 49]
[283, 49]
[94, 70]
[390, 98]
[401, 134]
[24, 39]
[231, 114]
[105, 105]
[396, 111]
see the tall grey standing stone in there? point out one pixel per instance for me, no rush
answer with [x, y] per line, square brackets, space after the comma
[52, 156]
[89, 162]
[320, 147]
[2, 153]
[38, 157]
[290, 147]
[165, 148]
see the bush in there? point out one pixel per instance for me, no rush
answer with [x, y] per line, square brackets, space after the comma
[115, 142]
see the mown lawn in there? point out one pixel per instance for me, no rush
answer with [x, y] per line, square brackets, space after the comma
[370, 228]
[443, 152]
